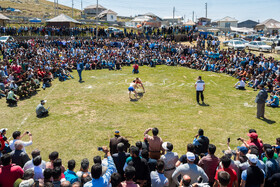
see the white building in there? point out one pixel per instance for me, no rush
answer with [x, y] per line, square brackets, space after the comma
[91, 10]
[227, 22]
[108, 15]
[178, 20]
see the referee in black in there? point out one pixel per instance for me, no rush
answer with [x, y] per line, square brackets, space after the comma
[200, 87]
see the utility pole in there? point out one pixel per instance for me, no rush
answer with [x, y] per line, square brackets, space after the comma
[72, 7]
[206, 10]
[54, 6]
[173, 16]
[193, 16]
[57, 8]
[81, 8]
[97, 19]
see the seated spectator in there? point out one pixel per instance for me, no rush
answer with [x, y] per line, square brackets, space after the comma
[48, 175]
[56, 175]
[253, 175]
[115, 180]
[96, 172]
[129, 174]
[83, 169]
[226, 161]
[274, 100]
[52, 156]
[38, 171]
[142, 175]
[41, 111]
[5, 148]
[271, 165]
[273, 181]
[201, 143]
[223, 178]
[9, 172]
[183, 159]
[30, 164]
[58, 163]
[240, 85]
[157, 177]
[27, 181]
[70, 175]
[27, 175]
[152, 163]
[209, 163]
[169, 159]
[97, 160]
[19, 157]
[190, 169]
[17, 136]
[12, 99]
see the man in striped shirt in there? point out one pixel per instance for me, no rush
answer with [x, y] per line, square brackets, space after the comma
[200, 87]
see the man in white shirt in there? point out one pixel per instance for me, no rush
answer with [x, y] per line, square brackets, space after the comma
[200, 87]
[17, 136]
[30, 165]
[240, 85]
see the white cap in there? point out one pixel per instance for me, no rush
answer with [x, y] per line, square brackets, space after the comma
[4, 129]
[164, 146]
[43, 101]
[252, 158]
[190, 156]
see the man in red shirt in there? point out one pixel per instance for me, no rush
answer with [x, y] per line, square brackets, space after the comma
[135, 69]
[233, 176]
[9, 172]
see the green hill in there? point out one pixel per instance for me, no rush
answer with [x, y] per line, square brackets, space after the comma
[36, 8]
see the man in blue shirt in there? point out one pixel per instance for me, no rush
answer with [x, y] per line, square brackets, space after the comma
[70, 175]
[80, 68]
[96, 172]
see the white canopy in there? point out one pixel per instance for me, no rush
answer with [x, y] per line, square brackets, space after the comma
[242, 30]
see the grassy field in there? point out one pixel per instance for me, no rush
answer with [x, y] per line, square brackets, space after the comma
[85, 115]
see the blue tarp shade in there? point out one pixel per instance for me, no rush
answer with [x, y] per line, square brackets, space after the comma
[35, 21]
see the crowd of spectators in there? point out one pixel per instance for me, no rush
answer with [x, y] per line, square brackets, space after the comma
[91, 31]
[150, 162]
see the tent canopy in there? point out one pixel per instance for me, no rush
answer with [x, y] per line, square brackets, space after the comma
[189, 23]
[242, 30]
[63, 18]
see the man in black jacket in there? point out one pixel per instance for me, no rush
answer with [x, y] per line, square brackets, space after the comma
[260, 100]
[253, 176]
[116, 140]
[120, 158]
[201, 143]
[142, 176]
[19, 157]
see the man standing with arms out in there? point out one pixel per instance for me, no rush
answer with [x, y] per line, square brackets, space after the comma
[200, 87]
[260, 100]
[41, 111]
[80, 68]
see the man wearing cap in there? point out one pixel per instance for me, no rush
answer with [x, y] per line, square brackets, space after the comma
[116, 140]
[253, 176]
[41, 111]
[260, 100]
[4, 141]
[190, 169]
[253, 141]
[169, 159]
[155, 143]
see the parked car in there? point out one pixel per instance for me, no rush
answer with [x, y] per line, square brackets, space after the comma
[236, 45]
[5, 39]
[258, 45]
[114, 30]
[270, 41]
[225, 43]
[251, 37]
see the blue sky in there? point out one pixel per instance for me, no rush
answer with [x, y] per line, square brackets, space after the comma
[217, 9]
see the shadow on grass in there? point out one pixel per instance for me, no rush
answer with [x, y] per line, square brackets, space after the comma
[81, 81]
[139, 96]
[268, 121]
[204, 104]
